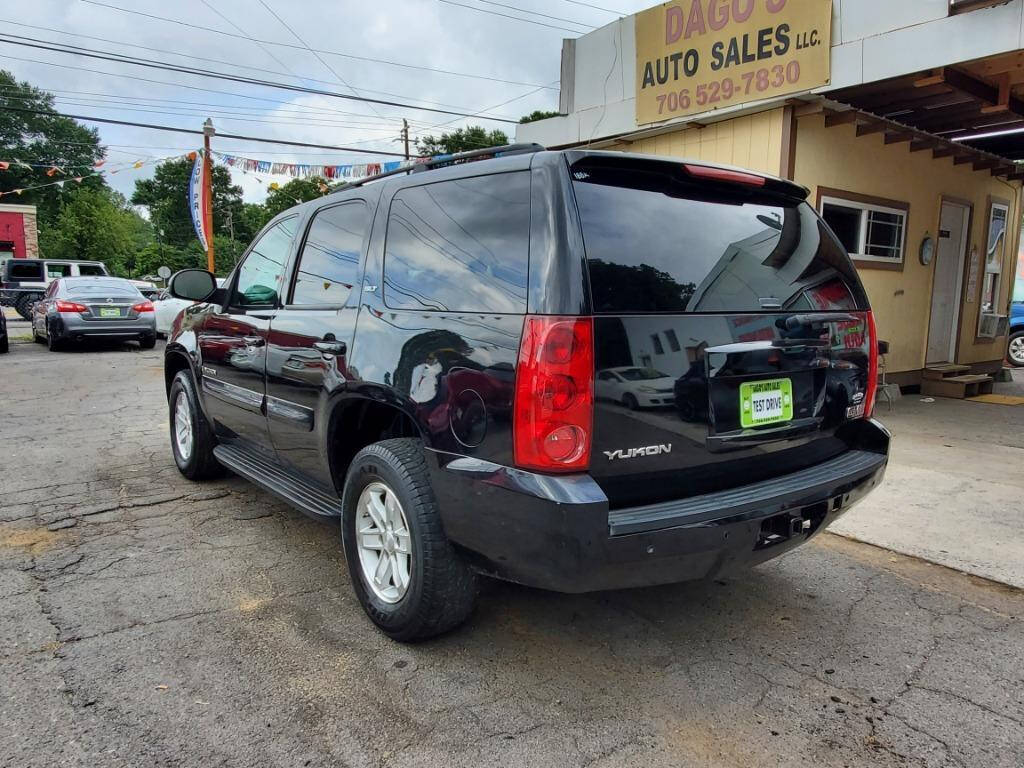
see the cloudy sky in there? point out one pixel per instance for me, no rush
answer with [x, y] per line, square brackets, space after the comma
[460, 36]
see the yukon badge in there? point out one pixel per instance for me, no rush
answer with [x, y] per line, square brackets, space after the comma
[632, 453]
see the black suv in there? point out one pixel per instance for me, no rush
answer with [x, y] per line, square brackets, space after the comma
[418, 357]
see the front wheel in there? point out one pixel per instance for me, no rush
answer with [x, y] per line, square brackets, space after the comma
[410, 580]
[629, 400]
[1015, 352]
[192, 439]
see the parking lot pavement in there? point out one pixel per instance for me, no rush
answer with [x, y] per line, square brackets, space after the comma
[145, 620]
[953, 492]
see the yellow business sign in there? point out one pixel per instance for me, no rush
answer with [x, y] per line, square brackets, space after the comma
[696, 55]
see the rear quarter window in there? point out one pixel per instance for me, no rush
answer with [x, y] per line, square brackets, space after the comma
[460, 245]
[657, 241]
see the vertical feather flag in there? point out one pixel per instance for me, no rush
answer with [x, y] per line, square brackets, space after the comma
[197, 201]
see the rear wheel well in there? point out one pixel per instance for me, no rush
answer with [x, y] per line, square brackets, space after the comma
[359, 423]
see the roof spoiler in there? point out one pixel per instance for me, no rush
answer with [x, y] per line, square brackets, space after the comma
[442, 161]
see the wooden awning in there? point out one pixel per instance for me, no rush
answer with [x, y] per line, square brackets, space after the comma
[944, 105]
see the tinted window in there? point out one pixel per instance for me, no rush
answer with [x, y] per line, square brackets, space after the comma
[90, 269]
[31, 271]
[259, 277]
[460, 245]
[330, 257]
[656, 241]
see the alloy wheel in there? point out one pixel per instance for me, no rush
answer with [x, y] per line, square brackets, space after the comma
[183, 426]
[384, 542]
[1016, 351]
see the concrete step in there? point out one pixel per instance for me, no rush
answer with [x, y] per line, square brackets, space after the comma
[944, 370]
[957, 386]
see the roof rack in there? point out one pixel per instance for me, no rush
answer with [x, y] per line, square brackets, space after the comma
[441, 161]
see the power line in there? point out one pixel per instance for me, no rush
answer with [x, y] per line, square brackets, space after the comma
[597, 7]
[317, 50]
[238, 66]
[535, 13]
[237, 28]
[200, 133]
[319, 58]
[493, 13]
[121, 59]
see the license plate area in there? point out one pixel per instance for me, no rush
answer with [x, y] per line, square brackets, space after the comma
[110, 312]
[769, 401]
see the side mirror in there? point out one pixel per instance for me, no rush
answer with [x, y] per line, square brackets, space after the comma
[192, 284]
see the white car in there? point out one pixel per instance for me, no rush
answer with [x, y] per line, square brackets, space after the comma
[635, 387]
[168, 307]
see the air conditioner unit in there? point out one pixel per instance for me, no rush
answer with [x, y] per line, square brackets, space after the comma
[992, 326]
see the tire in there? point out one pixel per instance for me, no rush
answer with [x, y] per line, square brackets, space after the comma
[200, 463]
[1015, 351]
[36, 337]
[148, 342]
[53, 341]
[629, 400]
[441, 589]
[23, 306]
[4, 345]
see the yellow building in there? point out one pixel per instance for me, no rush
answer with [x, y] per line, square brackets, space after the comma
[906, 142]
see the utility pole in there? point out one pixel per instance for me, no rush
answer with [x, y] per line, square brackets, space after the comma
[231, 229]
[405, 136]
[208, 133]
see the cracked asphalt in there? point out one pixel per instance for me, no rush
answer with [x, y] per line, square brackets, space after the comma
[149, 621]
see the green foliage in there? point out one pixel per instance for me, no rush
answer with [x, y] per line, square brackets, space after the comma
[294, 192]
[461, 140]
[46, 139]
[165, 196]
[539, 114]
[96, 225]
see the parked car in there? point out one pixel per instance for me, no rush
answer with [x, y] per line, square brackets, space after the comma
[635, 387]
[1015, 351]
[24, 281]
[77, 308]
[168, 308]
[4, 341]
[415, 356]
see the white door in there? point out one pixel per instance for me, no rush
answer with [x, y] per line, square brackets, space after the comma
[950, 247]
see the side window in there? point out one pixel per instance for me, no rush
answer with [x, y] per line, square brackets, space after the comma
[58, 270]
[460, 245]
[330, 256]
[91, 270]
[259, 276]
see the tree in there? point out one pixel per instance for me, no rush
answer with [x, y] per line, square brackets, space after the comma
[31, 131]
[96, 225]
[539, 114]
[294, 192]
[166, 197]
[461, 140]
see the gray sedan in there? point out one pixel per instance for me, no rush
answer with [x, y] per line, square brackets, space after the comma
[76, 308]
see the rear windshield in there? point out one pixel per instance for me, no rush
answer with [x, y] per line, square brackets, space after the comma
[30, 271]
[102, 288]
[656, 241]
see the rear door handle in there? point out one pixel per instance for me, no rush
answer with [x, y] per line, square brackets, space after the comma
[330, 347]
[253, 341]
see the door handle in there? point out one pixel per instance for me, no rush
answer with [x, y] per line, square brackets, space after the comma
[253, 341]
[330, 347]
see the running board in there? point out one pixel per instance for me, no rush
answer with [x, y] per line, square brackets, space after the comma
[271, 476]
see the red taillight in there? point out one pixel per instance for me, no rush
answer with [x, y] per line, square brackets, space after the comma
[554, 399]
[872, 388]
[724, 174]
[71, 306]
[144, 306]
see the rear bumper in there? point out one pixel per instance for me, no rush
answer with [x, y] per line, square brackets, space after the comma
[71, 325]
[558, 533]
